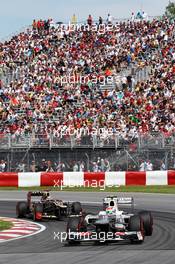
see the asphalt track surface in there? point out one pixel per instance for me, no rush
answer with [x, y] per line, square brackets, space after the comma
[43, 248]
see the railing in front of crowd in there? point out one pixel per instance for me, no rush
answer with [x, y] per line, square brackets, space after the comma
[115, 141]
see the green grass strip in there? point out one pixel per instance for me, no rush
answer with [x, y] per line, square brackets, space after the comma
[5, 225]
[144, 189]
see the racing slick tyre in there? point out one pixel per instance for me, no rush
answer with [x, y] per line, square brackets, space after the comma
[136, 224]
[37, 212]
[147, 222]
[73, 226]
[21, 209]
[76, 208]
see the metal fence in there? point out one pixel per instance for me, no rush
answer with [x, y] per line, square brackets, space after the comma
[89, 153]
[114, 141]
[86, 159]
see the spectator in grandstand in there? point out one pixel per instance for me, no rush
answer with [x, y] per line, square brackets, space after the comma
[43, 166]
[139, 15]
[33, 166]
[174, 164]
[102, 165]
[95, 167]
[60, 167]
[81, 166]
[162, 166]
[75, 166]
[21, 167]
[89, 20]
[107, 165]
[100, 20]
[149, 166]
[34, 24]
[99, 163]
[132, 17]
[74, 19]
[143, 166]
[49, 166]
[109, 19]
[144, 15]
[3, 166]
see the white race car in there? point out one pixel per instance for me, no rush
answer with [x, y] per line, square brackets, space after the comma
[110, 224]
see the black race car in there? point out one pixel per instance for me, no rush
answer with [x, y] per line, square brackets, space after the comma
[45, 207]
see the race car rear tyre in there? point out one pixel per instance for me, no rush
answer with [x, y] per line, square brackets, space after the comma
[76, 208]
[37, 212]
[147, 222]
[21, 209]
[136, 224]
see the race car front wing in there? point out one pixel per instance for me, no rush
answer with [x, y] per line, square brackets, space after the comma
[104, 236]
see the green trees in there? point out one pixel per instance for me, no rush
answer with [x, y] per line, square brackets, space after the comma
[170, 9]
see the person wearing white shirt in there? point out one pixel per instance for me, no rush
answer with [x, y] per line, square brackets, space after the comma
[145, 16]
[81, 166]
[143, 166]
[2, 166]
[149, 166]
[132, 16]
[75, 167]
[162, 167]
[109, 19]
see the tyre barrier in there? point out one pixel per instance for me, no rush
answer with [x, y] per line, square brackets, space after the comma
[87, 179]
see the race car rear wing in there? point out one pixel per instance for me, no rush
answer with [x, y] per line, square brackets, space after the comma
[125, 200]
[35, 194]
[120, 200]
[38, 193]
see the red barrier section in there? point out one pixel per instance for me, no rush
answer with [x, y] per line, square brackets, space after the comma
[52, 179]
[9, 179]
[171, 177]
[135, 178]
[92, 179]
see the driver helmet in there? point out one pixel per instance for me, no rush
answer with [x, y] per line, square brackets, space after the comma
[110, 210]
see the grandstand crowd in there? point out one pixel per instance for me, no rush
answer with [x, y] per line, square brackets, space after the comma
[37, 100]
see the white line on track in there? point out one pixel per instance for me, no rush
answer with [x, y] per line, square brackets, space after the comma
[10, 235]
[25, 228]
[23, 231]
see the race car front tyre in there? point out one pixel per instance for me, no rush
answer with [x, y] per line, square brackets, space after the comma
[76, 208]
[37, 212]
[147, 222]
[136, 224]
[72, 226]
[21, 209]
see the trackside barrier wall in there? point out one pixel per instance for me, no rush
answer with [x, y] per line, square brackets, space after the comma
[87, 179]
[9, 179]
